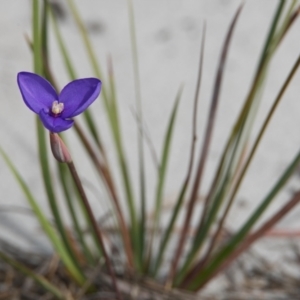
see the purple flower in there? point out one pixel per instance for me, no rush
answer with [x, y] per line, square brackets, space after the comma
[56, 111]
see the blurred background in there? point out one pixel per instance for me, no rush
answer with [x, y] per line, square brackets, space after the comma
[169, 34]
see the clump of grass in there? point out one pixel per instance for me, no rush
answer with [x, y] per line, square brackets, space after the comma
[140, 238]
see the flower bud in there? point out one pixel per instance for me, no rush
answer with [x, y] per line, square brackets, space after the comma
[59, 149]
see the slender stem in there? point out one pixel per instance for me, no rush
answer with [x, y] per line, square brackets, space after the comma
[140, 137]
[36, 43]
[98, 233]
[105, 174]
[179, 203]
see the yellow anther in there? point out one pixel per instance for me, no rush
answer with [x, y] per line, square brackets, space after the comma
[57, 108]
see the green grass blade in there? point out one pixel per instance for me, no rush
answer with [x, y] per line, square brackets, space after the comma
[162, 172]
[261, 72]
[85, 38]
[110, 105]
[39, 45]
[56, 242]
[165, 159]
[179, 202]
[285, 22]
[113, 116]
[142, 173]
[44, 41]
[42, 281]
[72, 75]
[256, 88]
[271, 34]
[62, 47]
[88, 44]
[167, 234]
[37, 55]
[43, 157]
[103, 170]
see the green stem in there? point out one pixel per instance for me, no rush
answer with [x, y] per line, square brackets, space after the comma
[141, 154]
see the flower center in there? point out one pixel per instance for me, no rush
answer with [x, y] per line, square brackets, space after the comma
[57, 108]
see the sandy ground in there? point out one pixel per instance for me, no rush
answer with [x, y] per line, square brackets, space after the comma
[169, 34]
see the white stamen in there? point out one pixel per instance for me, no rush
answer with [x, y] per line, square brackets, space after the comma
[57, 108]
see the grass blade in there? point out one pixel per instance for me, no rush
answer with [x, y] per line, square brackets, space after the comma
[41, 36]
[105, 175]
[167, 234]
[116, 131]
[111, 109]
[140, 136]
[37, 55]
[163, 171]
[88, 45]
[101, 167]
[72, 75]
[62, 47]
[165, 159]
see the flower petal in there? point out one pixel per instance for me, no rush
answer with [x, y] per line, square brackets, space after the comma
[54, 124]
[36, 91]
[78, 95]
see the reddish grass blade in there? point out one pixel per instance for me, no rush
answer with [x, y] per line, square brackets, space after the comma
[104, 173]
[205, 147]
